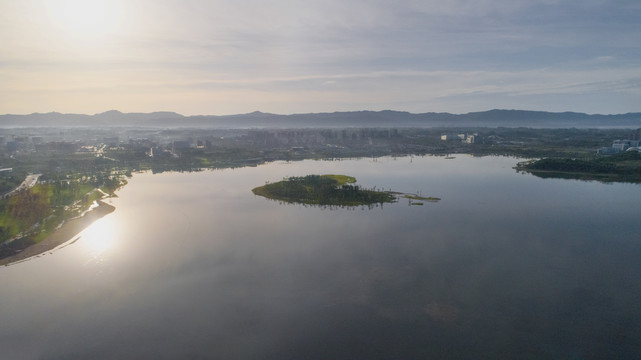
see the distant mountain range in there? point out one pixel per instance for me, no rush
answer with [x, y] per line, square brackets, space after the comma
[387, 118]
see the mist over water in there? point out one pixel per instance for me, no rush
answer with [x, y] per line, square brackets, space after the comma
[193, 265]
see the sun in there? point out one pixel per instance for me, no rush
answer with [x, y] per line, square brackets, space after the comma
[85, 18]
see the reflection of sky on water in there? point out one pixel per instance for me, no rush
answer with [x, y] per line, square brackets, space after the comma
[196, 265]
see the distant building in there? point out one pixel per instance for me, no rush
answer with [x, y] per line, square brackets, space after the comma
[449, 137]
[619, 146]
[607, 151]
[158, 153]
[88, 148]
[178, 145]
[463, 137]
[470, 139]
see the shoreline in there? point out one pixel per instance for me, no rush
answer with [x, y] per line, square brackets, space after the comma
[577, 175]
[65, 233]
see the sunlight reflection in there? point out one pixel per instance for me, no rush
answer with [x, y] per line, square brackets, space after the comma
[100, 236]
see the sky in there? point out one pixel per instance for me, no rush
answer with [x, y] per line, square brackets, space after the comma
[199, 57]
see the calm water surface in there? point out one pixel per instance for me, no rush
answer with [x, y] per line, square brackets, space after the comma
[193, 265]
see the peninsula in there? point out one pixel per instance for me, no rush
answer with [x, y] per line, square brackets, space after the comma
[69, 229]
[623, 167]
[44, 214]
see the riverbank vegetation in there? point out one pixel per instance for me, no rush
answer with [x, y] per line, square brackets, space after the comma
[624, 167]
[30, 215]
[332, 190]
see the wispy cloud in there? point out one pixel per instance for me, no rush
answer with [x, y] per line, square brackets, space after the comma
[288, 56]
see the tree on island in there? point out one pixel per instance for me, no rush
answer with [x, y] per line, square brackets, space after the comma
[328, 190]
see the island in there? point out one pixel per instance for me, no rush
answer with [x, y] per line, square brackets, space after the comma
[331, 190]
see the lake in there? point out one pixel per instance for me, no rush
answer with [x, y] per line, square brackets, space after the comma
[195, 266]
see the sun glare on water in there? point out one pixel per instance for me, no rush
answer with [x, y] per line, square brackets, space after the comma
[99, 237]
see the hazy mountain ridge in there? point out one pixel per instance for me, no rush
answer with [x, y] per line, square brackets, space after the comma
[385, 118]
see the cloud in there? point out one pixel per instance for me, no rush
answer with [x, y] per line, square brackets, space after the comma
[356, 54]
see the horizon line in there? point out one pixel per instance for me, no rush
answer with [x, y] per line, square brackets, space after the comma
[256, 112]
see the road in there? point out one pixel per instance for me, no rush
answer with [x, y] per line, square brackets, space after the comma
[28, 182]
